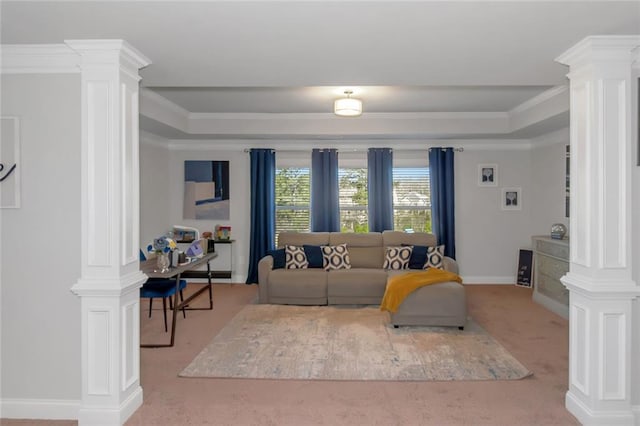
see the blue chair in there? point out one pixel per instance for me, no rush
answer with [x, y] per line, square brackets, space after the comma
[164, 288]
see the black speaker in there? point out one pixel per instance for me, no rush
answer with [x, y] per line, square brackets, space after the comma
[211, 246]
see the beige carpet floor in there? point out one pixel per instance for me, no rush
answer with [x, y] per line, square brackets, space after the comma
[348, 343]
[535, 336]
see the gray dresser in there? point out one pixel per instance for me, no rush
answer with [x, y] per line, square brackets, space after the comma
[551, 262]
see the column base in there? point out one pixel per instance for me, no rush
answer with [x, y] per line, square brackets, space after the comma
[586, 416]
[88, 416]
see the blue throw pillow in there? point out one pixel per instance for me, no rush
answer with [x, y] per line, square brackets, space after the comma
[418, 257]
[314, 256]
[278, 258]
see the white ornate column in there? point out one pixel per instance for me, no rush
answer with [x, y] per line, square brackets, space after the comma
[110, 277]
[599, 280]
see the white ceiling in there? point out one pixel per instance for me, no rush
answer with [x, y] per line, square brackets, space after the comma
[319, 99]
[296, 57]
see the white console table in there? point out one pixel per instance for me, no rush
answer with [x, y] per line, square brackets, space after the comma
[551, 262]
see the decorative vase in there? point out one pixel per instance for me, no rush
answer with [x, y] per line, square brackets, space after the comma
[558, 231]
[162, 262]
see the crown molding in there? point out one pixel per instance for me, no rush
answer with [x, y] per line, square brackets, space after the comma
[39, 59]
[152, 96]
[560, 136]
[151, 139]
[362, 117]
[304, 145]
[539, 99]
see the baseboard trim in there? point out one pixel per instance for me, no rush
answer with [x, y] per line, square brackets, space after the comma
[488, 280]
[552, 305]
[39, 409]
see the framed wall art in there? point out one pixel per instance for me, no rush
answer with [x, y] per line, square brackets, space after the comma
[206, 190]
[487, 175]
[511, 199]
[9, 163]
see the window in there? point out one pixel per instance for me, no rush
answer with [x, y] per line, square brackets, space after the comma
[352, 183]
[411, 199]
[292, 200]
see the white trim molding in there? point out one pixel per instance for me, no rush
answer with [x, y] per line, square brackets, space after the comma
[39, 409]
[551, 104]
[636, 414]
[475, 280]
[38, 59]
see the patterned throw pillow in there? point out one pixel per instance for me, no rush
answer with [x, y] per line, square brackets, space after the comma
[336, 257]
[435, 256]
[397, 257]
[295, 257]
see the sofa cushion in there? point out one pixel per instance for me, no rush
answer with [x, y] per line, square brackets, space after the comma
[365, 250]
[397, 257]
[298, 286]
[397, 238]
[295, 257]
[356, 285]
[279, 258]
[314, 256]
[336, 257]
[301, 238]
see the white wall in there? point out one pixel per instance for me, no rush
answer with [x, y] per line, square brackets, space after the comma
[239, 209]
[155, 211]
[41, 244]
[487, 237]
[548, 187]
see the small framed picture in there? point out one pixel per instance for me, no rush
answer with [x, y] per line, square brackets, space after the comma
[487, 175]
[511, 199]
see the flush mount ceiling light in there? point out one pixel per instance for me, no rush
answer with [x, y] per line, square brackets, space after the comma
[347, 107]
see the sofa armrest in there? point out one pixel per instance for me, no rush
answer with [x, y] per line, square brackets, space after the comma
[450, 265]
[264, 268]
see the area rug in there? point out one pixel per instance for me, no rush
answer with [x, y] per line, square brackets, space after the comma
[348, 343]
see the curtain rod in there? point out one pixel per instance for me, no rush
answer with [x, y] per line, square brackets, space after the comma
[351, 150]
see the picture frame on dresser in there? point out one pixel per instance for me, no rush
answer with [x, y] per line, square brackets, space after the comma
[525, 268]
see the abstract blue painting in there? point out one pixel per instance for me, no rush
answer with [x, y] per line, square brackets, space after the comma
[206, 190]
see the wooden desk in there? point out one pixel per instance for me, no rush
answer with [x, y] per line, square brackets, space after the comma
[148, 267]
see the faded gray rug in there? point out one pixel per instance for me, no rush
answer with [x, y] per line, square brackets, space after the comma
[339, 343]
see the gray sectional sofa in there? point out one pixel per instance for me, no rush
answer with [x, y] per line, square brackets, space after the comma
[442, 304]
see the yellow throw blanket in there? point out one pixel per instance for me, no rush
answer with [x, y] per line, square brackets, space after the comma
[400, 286]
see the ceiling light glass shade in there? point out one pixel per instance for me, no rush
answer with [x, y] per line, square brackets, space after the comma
[347, 107]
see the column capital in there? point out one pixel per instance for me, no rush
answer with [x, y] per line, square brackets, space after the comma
[109, 52]
[595, 49]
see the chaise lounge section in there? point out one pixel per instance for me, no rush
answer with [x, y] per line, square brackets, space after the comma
[364, 283]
